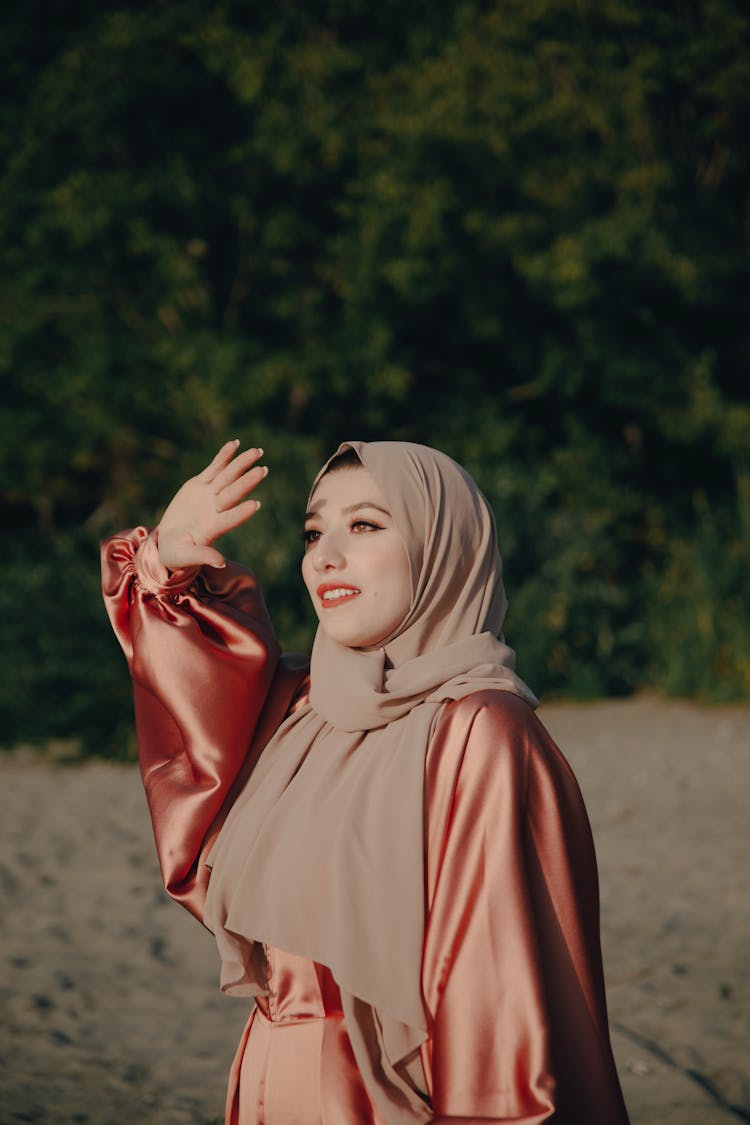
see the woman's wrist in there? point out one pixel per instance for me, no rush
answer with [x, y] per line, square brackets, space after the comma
[153, 575]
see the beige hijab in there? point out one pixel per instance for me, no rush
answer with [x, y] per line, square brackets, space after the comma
[322, 854]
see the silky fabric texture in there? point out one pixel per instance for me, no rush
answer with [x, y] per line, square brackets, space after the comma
[333, 811]
[218, 621]
[517, 1014]
[294, 1062]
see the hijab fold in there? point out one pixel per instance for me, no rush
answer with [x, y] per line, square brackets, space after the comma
[322, 854]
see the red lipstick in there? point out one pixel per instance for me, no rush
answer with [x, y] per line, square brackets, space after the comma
[330, 587]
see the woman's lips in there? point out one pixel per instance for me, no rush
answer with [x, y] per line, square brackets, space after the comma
[332, 594]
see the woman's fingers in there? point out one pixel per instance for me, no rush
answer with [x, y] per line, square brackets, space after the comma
[238, 467]
[233, 517]
[220, 461]
[232, 493]
[196, 556]
[177, 551]
[209, 556]
[235, 468]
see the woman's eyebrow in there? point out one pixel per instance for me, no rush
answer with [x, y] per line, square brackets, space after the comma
[314, 513]
[366, 504]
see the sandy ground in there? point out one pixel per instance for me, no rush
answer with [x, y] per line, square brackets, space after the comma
[108, 991]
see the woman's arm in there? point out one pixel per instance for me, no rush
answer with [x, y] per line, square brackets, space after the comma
[512, 970]
[207, 677]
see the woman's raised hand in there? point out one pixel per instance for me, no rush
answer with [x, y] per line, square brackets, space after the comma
[208, 505]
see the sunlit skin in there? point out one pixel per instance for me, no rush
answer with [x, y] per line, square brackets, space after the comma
[351, 542]
[355, 555]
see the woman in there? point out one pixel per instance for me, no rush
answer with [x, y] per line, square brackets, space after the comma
[391, 852]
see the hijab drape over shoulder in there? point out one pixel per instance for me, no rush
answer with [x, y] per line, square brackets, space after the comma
[322, 854]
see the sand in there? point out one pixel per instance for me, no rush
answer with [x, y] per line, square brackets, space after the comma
[111, 1012]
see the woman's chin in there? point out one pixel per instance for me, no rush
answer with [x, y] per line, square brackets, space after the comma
[352, 638]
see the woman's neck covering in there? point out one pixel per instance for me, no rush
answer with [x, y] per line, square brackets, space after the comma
[322, 854]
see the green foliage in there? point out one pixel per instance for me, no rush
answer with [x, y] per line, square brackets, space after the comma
[699, 631]
[515, 231]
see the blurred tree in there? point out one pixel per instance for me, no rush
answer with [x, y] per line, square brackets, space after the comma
[517, 231]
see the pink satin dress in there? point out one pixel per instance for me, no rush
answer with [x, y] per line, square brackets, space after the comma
[294, 1061]
[511, 968]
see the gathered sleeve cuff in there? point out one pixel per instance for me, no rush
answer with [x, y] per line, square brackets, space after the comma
[512, 972]
[209, 689]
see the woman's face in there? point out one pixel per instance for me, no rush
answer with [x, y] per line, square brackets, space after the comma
[355, 567]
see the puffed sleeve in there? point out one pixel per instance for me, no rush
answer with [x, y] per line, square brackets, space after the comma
[512, 971]
[209, 688]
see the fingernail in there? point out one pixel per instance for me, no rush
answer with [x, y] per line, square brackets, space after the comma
[259, 451]
[264, 469]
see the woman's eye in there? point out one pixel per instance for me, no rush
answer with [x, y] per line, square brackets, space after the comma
[312, 534]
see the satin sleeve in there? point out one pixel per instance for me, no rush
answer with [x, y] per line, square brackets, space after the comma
[512, 972]
[209, 686]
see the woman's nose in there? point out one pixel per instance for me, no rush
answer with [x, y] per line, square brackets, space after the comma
[327, 554]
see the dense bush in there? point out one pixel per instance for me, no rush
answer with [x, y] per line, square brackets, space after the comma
[517, 231]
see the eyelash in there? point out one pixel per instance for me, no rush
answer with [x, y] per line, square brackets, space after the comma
[311, 534]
